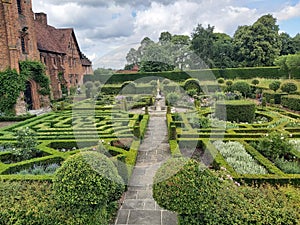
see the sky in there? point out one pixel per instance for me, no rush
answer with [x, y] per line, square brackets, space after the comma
[107, 29]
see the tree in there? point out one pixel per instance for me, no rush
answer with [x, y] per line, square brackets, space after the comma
[275, 85]
[289, 63]
[180, 39]
[132, 56]
[287, 44]
[165, 37]
[155, 66]
[259, 44]
[202, 43]
[222, 51]
[240, 42]
[296, 41]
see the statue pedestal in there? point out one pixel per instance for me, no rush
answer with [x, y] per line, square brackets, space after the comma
[158, 106]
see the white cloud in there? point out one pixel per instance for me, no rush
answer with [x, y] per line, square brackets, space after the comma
[105, 27]
[288, 12]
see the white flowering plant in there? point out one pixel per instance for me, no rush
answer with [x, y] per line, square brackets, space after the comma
[237, 157]
[274, 145]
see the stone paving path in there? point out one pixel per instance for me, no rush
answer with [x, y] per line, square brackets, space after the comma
[139, 207]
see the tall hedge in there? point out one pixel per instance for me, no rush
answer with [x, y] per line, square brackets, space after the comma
[238, 111]
[181, 76]
[291, 102]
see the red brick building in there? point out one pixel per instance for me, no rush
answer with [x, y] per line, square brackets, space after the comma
[27, 36]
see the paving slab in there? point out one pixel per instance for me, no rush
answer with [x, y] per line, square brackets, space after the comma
[138, 206]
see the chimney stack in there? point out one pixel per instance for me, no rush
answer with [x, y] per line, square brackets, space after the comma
[41, 18]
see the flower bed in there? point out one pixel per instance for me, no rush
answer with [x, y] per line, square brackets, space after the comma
[236, 156]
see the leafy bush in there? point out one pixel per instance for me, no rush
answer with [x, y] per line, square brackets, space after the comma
[87, 179]
[26, 144]
[238, 111]
[172, 98]
[274, 145]
[34, 203]
[200, 122]
[89, 85]
[183, 186]
[291, 102]
[288, 87]
[192, 92]
[275, 85]
[242, 86]
[201, 196]
[192, 83]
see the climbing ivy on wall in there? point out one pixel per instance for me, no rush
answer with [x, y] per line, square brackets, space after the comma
[36, 71]
[11, 84]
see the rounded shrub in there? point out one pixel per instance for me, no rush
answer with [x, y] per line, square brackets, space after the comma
[185, 186]
[289, 87]
[243, 87]
[172, 98]
[128, 87]
[166, 81]
[97, 84]
[255, 82]
[87, 179]
[229, 82]
[275, 85]
[89, 85]
[236, 110]
[221, 80]
[192, 83]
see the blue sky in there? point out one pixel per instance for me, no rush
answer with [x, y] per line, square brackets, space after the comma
[106, 30]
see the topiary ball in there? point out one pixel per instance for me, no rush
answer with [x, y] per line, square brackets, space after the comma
[87, 179]
[185, 186]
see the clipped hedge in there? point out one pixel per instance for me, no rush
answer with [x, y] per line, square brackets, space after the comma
[269, 95]
[201, 196]
[29, 202]
[291, 102]
[16, 118]
[181, 76]
[87, 179]
[239, 111]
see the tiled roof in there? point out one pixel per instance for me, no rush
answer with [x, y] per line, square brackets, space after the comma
[55, 40]
[47, 38]
[85, 61]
